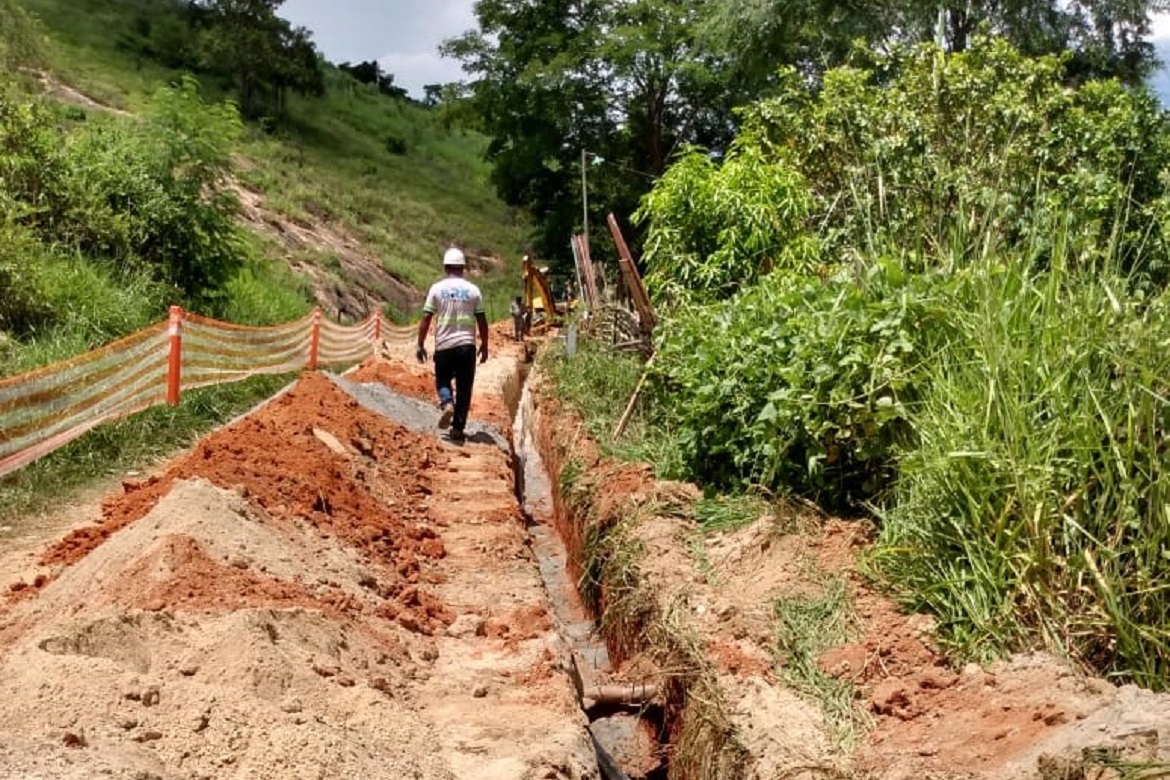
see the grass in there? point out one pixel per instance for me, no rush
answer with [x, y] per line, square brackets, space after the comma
[806, 627]
[328, 159]
[638, 620]
[1036, 508]
[130, 444]
[597, 383]
[729, 512]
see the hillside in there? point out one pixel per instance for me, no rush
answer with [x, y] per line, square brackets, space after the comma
[345, 201]
[351, 188]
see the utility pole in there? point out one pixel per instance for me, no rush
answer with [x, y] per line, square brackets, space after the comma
[584, 200]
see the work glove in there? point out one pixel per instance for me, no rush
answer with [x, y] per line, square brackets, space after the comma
[483, 353]
[421, 354]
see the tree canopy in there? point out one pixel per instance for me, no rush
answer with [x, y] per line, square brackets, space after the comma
[246, 39]
[634, 82]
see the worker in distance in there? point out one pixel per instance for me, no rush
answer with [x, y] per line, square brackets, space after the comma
[455, 305]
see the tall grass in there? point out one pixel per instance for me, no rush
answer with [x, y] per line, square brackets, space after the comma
[329, 160]
[1036, 506]
[598, 384]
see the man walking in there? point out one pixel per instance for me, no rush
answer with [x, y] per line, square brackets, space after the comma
[458, 306]
[517, 312]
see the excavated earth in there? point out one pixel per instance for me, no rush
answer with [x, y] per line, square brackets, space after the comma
[693, 614]
[326, 588]
[315, 591]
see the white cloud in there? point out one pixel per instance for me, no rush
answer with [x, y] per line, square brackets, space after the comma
[1159, 27]
[413, 71]
[402, 35]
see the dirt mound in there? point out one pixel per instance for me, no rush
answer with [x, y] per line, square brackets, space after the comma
[204, 637]
[369, 498]
[311, 592]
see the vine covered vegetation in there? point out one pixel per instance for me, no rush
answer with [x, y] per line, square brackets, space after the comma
[933, 290]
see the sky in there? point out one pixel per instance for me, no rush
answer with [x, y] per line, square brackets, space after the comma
[404, 35]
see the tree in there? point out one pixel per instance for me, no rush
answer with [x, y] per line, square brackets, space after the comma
[371, 73]
[753, 38]
[246, 39]
[621, 81]
[432, 94]
[543, 98]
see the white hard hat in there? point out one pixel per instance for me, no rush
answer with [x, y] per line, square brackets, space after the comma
[454, 256]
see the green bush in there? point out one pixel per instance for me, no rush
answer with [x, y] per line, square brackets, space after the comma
[802, 385]
[22, 311]
[1035, 505]
[955, 152]
[144, 194]
[713, 229]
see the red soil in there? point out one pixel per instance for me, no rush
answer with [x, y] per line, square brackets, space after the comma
[274, 457]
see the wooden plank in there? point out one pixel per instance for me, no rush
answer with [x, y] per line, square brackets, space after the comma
[629, 412]
[632, 278]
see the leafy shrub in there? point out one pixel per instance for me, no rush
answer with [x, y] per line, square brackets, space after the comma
[956, 152]
[146, 194]
[714, 228]
[802, 385]
[22, 310]
[1035, 506]
[33, 164]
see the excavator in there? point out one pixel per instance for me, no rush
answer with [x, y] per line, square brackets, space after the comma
[540, 306]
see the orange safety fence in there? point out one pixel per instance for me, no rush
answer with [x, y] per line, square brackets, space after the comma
[43, 410]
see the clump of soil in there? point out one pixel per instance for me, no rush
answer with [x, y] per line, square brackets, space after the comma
[371, 497]
[205, 636]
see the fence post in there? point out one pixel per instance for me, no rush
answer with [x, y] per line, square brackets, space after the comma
[175, 358]
[314, 338]
[377, 328]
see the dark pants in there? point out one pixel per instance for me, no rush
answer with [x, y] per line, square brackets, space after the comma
[457, 363]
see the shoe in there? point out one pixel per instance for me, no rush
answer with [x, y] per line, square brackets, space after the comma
[446, 414]
[457, 434]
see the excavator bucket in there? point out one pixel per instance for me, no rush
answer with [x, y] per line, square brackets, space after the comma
[539, 303]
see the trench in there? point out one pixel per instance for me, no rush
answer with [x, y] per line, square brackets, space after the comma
[629, 736]
[628, 732]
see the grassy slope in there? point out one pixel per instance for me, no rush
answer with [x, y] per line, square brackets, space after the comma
[329, 158]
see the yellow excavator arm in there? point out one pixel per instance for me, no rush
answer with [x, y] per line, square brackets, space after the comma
[538, 297]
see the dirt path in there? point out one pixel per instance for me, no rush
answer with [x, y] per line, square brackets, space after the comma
[328, 589]
[316, 591]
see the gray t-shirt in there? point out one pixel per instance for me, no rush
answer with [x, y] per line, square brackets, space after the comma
[454, 302]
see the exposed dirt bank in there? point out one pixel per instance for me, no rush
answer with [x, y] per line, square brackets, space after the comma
[696, 614]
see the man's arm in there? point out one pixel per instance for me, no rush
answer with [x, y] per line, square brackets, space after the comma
[481, 321]
[424, 326]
